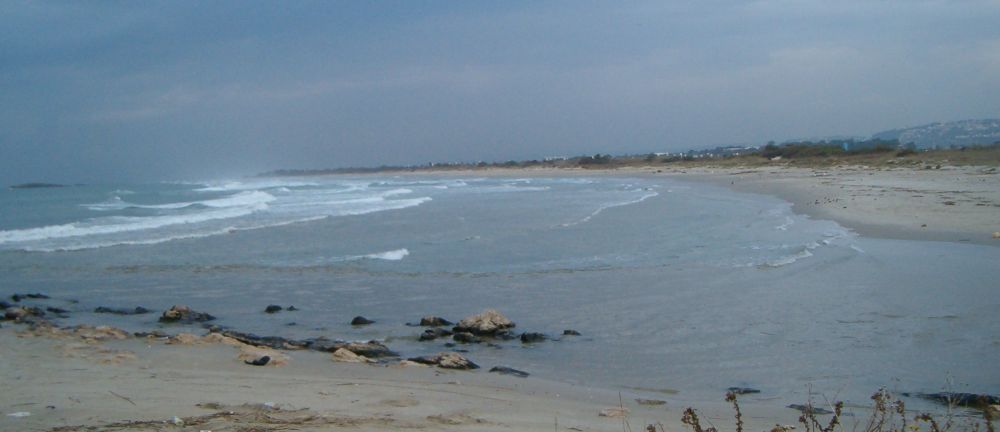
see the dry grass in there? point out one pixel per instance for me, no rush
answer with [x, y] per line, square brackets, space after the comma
[888, 415]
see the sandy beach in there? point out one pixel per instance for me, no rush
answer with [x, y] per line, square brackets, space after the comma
[103, 380]
[952, 203]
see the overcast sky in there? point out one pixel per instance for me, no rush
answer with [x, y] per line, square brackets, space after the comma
[125, 91]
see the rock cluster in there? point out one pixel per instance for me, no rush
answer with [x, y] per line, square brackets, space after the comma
[184, 314]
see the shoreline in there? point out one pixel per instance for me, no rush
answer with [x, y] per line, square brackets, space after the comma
[959, 204]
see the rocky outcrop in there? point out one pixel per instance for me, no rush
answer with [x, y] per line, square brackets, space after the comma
[570, 332]
[434, 333]
[488, 323]
[434, 321]
[184, 314]
[36, 296]
[446, 360]
[346, 356]
[139, 310]
[742, 390]
[532, 337]
[370, 349]
[273, 309]
[23, 313]
[360, 320]
[466, 337]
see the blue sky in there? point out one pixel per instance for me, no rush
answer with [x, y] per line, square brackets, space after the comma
[126, 91]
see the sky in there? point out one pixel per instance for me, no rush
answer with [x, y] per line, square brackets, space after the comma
[108, 91]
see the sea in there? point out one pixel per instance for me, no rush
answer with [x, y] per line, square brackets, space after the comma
[676, 287]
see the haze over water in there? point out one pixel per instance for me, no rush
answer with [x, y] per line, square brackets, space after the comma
[674, 286]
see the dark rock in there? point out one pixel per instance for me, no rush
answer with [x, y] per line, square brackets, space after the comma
[959, 399]
[323, 344]
[272, 309]
[434, 333]
[139, 310]
[292, 309]
[505, 335]
[184, 314]
[532, 337]
[360, 320]
[434, 321]
[370, 349]
[807, 409]
[259, 362]
[446, 360]
[23, 313]
[570, 332]
[275, 342]
[743, 390]
[36, 296]
[466, 337]
[56, 310]
[450, 345]
[504, 370]
[5, 305]
[487, 323]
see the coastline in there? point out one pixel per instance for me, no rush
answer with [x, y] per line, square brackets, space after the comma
[958, 204]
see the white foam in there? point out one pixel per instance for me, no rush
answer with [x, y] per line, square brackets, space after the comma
[249, 198]
[116, 224]
[393, 255]
[254, 185]
[611, 205]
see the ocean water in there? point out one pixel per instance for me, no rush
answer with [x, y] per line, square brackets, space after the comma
[675, 286]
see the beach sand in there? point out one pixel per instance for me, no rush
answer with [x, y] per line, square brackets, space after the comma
[956, 204]
[67, 383]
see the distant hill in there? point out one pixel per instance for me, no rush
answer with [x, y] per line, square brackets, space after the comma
[949, 134]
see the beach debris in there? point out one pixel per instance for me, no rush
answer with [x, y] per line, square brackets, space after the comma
[434, 321]
[360, 320]
[570, 332]
[456, 419]
[996, 234]
[36, 296]
[466, 337]
[488, 323]
[434, 333]
[809, 409]
[347, 356]
[650, 402]
[151, 334]
[138, 310]
[616, 412]
[262, 361]
[184, 314]
[532, 337]
[177, 421]
[742, 390]
[273, 309]
[446, 360]
[19, 414]
[504, 370]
